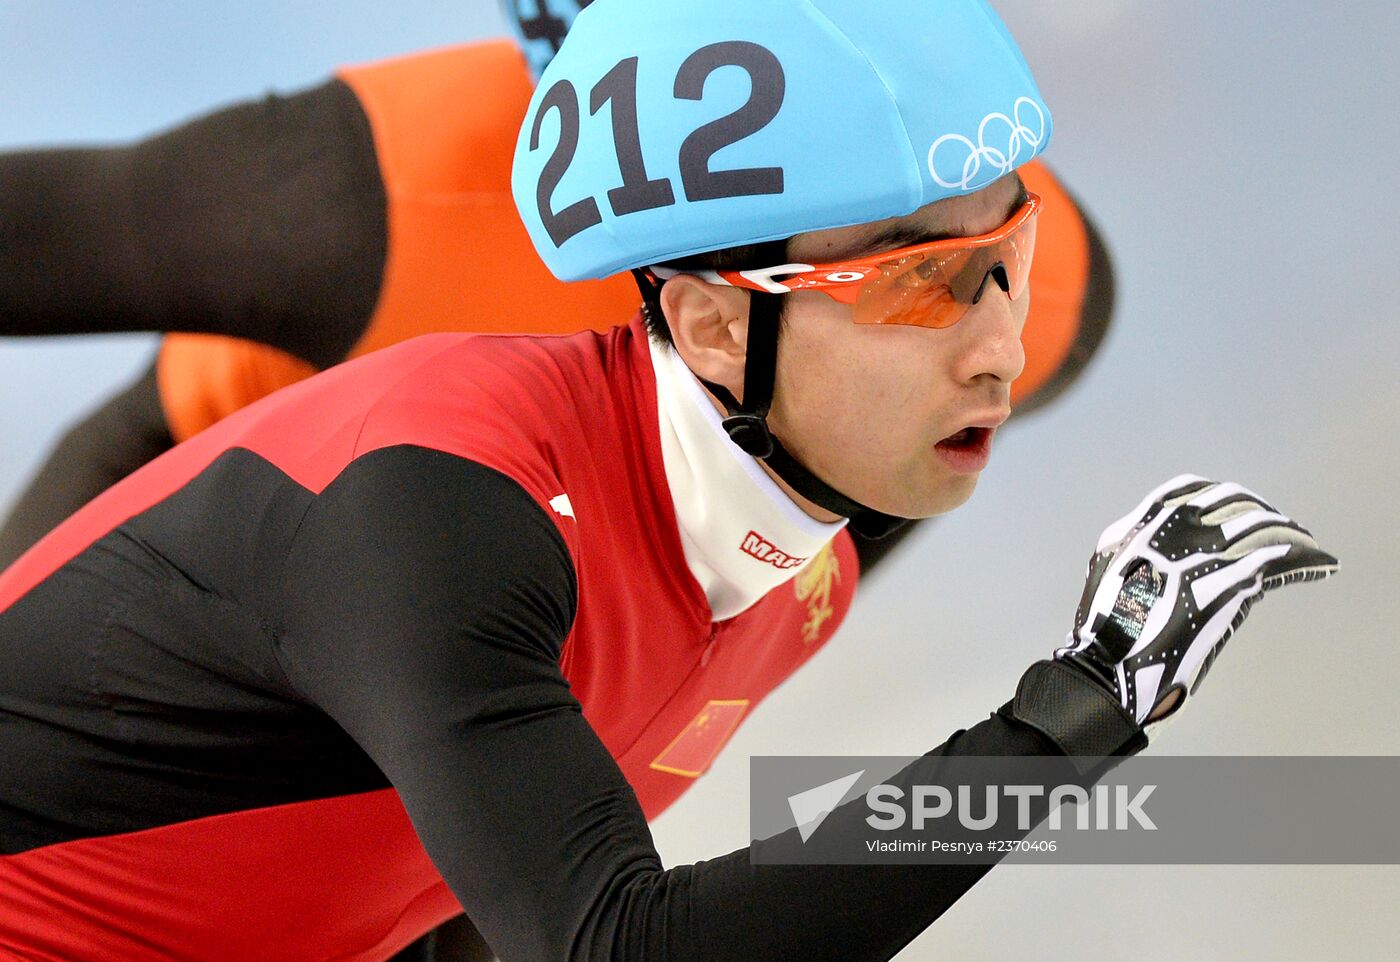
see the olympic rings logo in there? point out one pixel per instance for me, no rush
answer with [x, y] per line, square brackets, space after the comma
[1022, 129]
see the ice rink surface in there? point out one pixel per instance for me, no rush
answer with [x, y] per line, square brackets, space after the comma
[1240, 161]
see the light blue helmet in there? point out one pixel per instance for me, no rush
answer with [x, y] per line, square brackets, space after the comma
[665, 128]
[540, 26]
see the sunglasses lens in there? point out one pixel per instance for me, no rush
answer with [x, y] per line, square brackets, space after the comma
[913, 291]
[920, 290]
[1017, 252]
[938, 289]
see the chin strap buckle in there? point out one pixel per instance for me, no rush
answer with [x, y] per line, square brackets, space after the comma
[750, 433]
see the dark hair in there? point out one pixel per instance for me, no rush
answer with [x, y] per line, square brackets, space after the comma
[744, 257]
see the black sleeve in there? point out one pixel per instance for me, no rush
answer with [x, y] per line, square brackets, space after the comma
[428, 599]
[456, 940]
[265, 221]
[116, 439]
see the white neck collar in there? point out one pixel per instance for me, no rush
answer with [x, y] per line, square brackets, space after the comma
[743, 536]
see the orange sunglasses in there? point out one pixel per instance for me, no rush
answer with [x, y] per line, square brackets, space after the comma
[924, 285]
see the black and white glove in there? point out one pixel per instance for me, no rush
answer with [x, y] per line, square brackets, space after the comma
[1171, 581]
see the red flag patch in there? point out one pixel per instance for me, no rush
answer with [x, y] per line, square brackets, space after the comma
[692, 751]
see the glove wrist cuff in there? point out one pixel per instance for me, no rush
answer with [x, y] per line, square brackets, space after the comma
[1075, 712]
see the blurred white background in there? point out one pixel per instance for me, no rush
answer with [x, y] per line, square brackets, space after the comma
[1239, 159]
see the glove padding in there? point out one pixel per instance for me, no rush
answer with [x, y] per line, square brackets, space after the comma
[1171, 581]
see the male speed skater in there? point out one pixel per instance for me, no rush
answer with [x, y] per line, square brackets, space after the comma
[437, 630]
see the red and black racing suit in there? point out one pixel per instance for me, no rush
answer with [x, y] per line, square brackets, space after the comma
[414, 635]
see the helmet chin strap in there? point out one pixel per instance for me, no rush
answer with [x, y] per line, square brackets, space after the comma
[747, 423]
